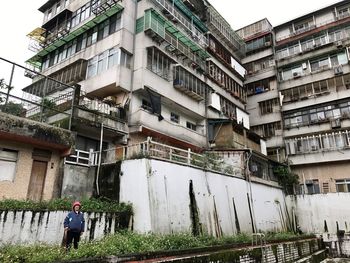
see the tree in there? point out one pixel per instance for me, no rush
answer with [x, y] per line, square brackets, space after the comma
[13, 108]
[9, 106]
[286, 178]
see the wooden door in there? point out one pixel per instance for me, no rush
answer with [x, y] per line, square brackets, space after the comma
[37, 180]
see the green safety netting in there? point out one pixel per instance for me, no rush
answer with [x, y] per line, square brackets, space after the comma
[156, 22]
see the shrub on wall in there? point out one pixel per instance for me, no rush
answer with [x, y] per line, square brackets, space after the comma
[65, 204]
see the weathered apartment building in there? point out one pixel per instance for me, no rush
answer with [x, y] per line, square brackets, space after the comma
[298, 94]
[166, 70]
[177, 72]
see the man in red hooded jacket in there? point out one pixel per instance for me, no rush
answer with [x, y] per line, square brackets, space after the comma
[74, 225]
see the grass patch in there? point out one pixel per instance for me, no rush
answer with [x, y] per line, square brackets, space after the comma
[65, 204]
[121, 243]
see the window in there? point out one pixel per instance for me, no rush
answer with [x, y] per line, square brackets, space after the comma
[82, 41]
[8, 162]
[325, 188]
[49, 14]
[158, 63]
[225, 81]
[174, 117]
[147, 105]
[342, 185]
[191, 125]
[125, 59]
[269, 106]
[258, 87]
[267, 130]
[312, 186]
[102, 62]
[113, 57]
[185, 79]
[92, 67]
[320, 64]
[58, 7]
[314, 143]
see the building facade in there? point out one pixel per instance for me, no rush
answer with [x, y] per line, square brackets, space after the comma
[299, 94]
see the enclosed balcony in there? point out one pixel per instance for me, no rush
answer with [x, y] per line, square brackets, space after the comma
[322, 147]
[187, 83]
[69, 29]
[171, 11]
[161, 29]
[69, 75]
[255, 30]
[222, 29]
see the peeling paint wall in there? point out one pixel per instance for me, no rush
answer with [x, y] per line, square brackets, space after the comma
[161, 195]
[320, 213]
[26, 227]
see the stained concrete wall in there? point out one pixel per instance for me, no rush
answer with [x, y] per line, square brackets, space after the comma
[26, 227]
[78, 181]
[315, 212]
[163, 196]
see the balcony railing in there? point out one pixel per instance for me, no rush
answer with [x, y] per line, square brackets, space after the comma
[69, 30]
[175, 16]
[331, 141]
[70, 75]
[218, 25]
[157, 27]
[311, 27]
[211, 161]
[100, 6]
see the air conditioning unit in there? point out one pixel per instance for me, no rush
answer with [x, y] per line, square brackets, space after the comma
[339, 44]
[338, 70]
[308, 182]
[268, 43]
[296, 75]
[335, 123]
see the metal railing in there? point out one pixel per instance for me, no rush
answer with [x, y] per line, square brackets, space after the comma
[314, 26]
[37, 105]
[188, 26]
[211, 161]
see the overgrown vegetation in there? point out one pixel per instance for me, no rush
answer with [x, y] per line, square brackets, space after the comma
[124, 243]
[286, 178]
[65, 204]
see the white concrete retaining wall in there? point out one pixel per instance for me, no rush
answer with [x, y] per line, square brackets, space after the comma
[26, 227]
[314, 211]
[160, 195]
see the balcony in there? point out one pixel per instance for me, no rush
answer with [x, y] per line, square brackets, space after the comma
[161, 29]
[322, 147]
[314, 28]
[219, 26]
[92, 113]
[255, 30]
[65, 32]
[187, 25]
[69, 75]
[146, 119]
[189, 84]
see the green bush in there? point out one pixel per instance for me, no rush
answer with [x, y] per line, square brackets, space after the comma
[122, 243]
[65, 204]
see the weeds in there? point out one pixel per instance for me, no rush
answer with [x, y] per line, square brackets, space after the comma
[122, 243]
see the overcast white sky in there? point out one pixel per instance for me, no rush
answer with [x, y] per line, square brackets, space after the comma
[18, 18]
